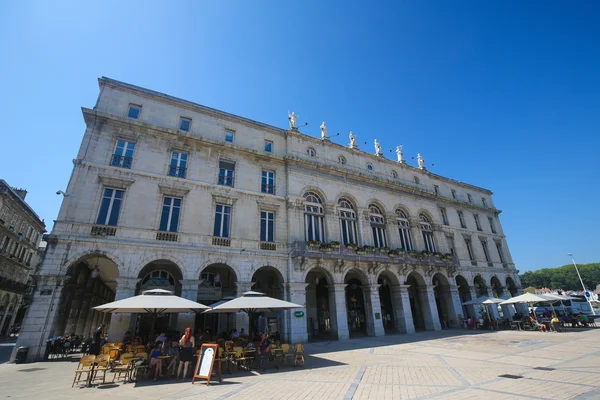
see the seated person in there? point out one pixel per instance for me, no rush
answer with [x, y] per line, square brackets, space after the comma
[162, 338]
[242, 332]
[584, 320]
[538, 325]
[127, 338]
[555, 322]
[235, 334]
[155, 362]
[173, 352]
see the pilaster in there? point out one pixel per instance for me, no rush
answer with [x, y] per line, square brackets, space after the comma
[297, 330]
[341, 314]
[430, 312]
[402, 311]
[373, 311]
[456, 311]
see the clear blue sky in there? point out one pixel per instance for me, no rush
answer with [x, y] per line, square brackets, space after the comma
[504, 95]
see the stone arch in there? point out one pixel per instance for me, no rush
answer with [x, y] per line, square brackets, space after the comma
[268, 280]
[320, 303]
[315, 190]
[511, 286]
[496, 286]
[404, 209]
[280, 272]
[389, 284]
[224, 261]
[480, 286]
[419, 301]
[349, 197]
[464, 294]
[443, 300]
[156, 256]
[327, 274]
[116, 266]
[357, 308]
[377, 203]
[218, 280]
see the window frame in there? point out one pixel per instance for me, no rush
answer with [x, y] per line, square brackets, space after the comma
[170, 221]
[377, 223]
[427, 232]
[347, 218]
[469, 247]
[453, 193]
[477, 222]
[223, 180]
[185, 119]
[314, 218]
[486, 252]
[469, 198]
[268, 143]
[224, 220]
[311, 152]
[134, 106]
[404, 230]
[122, 160]
[461, 219]
[110, 207]
[492, 225]
[264, 187]
[436, 189]
[228, 133]
[269, 231]
[370, 167]
[444, 216]
[342, 160]
[176, 169]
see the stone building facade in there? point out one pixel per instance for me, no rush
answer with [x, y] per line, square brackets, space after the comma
[168, 193]
[20, 234]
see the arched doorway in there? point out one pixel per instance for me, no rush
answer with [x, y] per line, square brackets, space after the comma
[10, 310]
[464, 292]
[511, 287]
[320, 315]
[217, 281]
[159, 274]
[386, 281]
[443, 300]
[355, 304]
[92, 282]
[480, 286]
[268, 280]
[416, 295]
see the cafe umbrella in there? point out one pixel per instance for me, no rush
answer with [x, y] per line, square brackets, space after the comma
[253, 303]
[153, 302]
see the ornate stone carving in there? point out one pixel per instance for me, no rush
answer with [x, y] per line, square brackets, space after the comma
[399, 154]
[378, 149]
[292, 117]
[353, 144]
[323, 131]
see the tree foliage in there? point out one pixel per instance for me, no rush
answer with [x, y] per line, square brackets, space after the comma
[529, 289]
[564, 277]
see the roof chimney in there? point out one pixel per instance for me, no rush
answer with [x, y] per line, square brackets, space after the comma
[21, 193]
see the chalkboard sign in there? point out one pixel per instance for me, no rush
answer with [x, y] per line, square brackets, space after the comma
[209, 353]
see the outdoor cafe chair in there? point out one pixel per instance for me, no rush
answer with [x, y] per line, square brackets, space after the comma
[241, 358]
[285, 353]
[141, 367]
[229, 345]
[84, 366]
[102, 364]
[299, 354]
[139, 349]
[124, 368]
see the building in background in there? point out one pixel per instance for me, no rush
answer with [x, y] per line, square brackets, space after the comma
[167, 193]
[20, 232]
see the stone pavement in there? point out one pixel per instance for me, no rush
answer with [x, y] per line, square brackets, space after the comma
[431, 365]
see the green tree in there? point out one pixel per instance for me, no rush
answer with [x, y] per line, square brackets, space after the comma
[529, 289]
[564, 277]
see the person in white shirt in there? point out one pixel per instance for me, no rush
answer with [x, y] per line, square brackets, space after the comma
[235, 334]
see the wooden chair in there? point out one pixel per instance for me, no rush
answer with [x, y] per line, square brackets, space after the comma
[299, 354]
[229, 345]
[129, 348]
[139, 349]
[123, 368]
[113, 353]
[285, 352]
[240, 358]
[102, 365]
[84, 366]
[141, 367]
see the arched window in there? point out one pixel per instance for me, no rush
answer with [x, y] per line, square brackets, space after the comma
[404, 229]
[158, 279]
[394, 174]
[378, 226]
[347, 222]
[313, 217]
[311, 152]
[427, 231]
[342, 160]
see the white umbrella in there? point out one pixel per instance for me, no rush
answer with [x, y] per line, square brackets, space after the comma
[251, 303]
[482, 300]
[156, 301]
[526, 298]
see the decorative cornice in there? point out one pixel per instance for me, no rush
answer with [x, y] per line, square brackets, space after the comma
[115, 181]
[173, 190]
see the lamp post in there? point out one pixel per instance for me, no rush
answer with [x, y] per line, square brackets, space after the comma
[582, 285]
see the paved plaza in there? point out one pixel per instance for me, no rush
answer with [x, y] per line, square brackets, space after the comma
[431, 365]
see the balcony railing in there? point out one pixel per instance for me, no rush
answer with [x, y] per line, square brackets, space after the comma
[265, 188]
[177, 171]
[221, 241]
[167, 236]
[100, 230]
[121, 161]
[267, 246]
[370, 254]
[226, 180]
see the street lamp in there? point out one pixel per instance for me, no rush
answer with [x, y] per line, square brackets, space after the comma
[582, 285]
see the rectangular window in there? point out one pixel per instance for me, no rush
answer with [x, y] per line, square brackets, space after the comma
[454, 194]
[444, 216]
[134, 111]
[436, 188]
[268, 182]
[492, 226]
[484, 202]
[450, 240]
[178, 166]
[226, 173]
[29, 233]
[169, 218]
[477, 224]
[267, 226]
[485, 250]
[461, 218]
[222, 221]
[470, 198]
[500, 253]
[313, 224]
[428, 240]
[4, 213]
[229, 135]
[185, 124]
[469, 249]
[379, 239]
[123, 155]
[268, 146]
[348, 227]
[110, 207]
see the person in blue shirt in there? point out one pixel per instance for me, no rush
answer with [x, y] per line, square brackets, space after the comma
[155, 361]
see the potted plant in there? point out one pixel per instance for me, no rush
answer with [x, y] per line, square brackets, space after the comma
[314, 244]
[325, 247]
[334, 245]
[351, 247]
[393, 253]
[384, 250]
[361, 250]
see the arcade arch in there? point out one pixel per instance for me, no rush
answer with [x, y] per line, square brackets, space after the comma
[386, 281]
[355, 303]
[443, 300]
[320, 305]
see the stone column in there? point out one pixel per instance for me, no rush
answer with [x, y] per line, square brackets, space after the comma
[364, 227]
[41, 315]
[297, 331]
[332, 224]
[241, 318]
[311, 311]
[455, 307]
[83, 314]
[373, 311]
[87, 328]
[341, 314]
[430, 312]
[402, 310]
[492, 308]
[189, 291]
[119, 322]
[15, 311]
[417, 235]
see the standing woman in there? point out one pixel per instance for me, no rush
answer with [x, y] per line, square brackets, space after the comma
[97, 341]
[188, 344]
